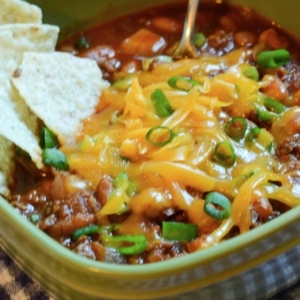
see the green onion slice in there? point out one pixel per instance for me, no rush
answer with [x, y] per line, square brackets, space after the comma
[272, 108]
[182, 83]
[274, 105]
[273, 59]
[123, 84]
[85, 231]
[121, 179]
[131, 187]
[82, 43]
[224, 154]
[55, 158]
[252, 73]
[261, 138]
[265, 116]
[176, 231]
[161, 104]
[217, 206]
[34, 218]
[157, 142]
[236, 128]
[91, 229]
[48, 139]
[254, 134]
[199, 39]
[126, 244]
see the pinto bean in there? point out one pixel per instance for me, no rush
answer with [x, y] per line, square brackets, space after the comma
[36, 196]
[275, 88]
[104, 188]
[272, 40]
[263, 207]
[99, 53]
[228, 22]
[244, 38]
[65, 227]
[168, 25]
[131, 66]
[143, 42]
[58, 187]
[151, 202]
[221, 41]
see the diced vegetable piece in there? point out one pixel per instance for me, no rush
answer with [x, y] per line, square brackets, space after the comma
[47, 138]
[273, 59]
[261, 137]
[81, 43]
[161, 104]
[182, 83]
[144, 42]
[254, 133]
[122, 178]
[272, 108]
[117, 201]
[274, 105]
[176, 231]
[252, 73]
[85, 231]
[199, 39]
[123, 84]
[160, 58]
[34, 218]
[55, 158]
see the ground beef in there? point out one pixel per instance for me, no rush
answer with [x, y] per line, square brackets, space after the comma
[289, 148]
[76, 211]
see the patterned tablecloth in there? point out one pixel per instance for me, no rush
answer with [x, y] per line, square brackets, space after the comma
[16, 285]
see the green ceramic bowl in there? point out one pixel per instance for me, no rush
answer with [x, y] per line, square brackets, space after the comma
[68, 276]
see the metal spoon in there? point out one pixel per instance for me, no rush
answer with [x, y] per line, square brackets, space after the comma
[186, 48]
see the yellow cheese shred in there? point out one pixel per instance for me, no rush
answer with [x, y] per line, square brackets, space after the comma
[178, 174]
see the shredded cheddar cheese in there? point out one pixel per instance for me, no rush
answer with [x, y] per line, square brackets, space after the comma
[115, 140]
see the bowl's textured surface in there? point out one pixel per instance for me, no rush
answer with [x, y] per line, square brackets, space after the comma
[69, 276]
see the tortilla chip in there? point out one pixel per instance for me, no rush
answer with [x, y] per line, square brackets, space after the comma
[17, 123]
[19, 38]
[60, 89]
[7, 165]
[17, 11]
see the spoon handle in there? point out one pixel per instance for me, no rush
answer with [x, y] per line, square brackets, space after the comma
[189, 24]
[186, 46]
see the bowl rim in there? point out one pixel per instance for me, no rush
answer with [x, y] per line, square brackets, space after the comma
[171, 266]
